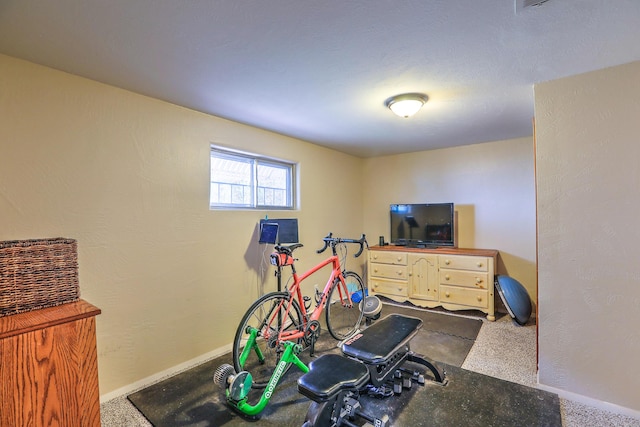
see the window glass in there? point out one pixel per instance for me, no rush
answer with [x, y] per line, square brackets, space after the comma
[243, 180]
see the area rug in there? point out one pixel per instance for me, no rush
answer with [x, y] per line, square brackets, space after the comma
[192, 399]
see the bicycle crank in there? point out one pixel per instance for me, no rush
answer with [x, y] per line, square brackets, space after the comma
[311, 335]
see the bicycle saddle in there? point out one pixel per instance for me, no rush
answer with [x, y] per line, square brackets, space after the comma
[288, 249]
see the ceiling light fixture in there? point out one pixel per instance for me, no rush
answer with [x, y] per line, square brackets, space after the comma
[407, 104]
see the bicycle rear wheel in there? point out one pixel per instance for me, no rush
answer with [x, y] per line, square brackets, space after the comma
[268, 316]
[344, 319]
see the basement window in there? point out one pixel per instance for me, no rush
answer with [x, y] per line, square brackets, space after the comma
[248, 181]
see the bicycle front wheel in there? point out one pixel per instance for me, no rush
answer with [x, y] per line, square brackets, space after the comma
[266, 318]
[343, 318]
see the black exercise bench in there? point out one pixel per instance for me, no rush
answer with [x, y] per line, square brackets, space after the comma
[371, 358]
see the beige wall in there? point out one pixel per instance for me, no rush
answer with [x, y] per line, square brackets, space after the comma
[127, 176]
[588, 183]
[491, 184]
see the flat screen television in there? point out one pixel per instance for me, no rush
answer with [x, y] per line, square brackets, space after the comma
[423, 225]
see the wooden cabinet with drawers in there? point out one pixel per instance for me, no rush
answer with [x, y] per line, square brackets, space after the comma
[456, 279]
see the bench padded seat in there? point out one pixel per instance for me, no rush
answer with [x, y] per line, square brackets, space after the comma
[383, 339]
[331, 373]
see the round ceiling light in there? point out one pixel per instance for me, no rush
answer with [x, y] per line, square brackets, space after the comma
[407, 104]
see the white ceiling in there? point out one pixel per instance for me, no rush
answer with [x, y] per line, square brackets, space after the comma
[321, 70]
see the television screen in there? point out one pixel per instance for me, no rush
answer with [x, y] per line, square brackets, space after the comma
[423, 225]
[287, 229]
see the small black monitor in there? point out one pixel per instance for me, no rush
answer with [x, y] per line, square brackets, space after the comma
[287, 229]
[268, 232]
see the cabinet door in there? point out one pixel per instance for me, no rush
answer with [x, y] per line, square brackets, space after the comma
[50, 376]
[423, 276]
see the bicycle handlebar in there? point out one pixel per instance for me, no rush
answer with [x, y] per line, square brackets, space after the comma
[332, 241]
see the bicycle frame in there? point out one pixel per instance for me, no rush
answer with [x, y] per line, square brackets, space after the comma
[295, 292]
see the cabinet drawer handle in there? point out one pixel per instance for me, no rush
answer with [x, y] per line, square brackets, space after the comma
[399, 258]
[446, 277]
[446, 294]
[375, 257]
[447, 262]
[478, 280]
[375, 270]
[399, 273]
[479, 298]
[479, 264]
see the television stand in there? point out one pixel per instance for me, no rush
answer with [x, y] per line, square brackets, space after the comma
[456, 279]
[424, 246]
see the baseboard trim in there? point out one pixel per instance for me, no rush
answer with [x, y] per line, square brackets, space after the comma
[590, 401]
[145, 382]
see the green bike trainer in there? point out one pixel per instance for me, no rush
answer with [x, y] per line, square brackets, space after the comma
[238, 385]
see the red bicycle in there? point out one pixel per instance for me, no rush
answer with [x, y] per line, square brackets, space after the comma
[279, 317]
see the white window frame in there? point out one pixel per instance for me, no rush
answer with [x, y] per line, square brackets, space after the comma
[252, 200]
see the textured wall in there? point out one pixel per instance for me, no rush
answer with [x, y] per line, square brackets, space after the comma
[589, 285]
[491, 184]
[128, 177]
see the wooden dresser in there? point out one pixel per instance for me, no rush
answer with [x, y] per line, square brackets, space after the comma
[48, 367]
[456, 279]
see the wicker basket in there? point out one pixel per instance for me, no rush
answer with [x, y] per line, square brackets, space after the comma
[37, 273]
